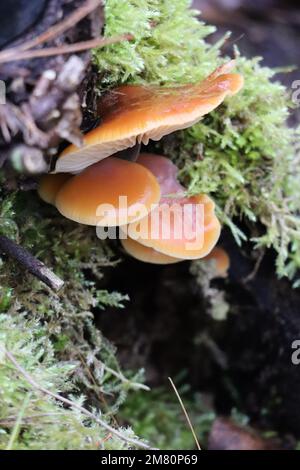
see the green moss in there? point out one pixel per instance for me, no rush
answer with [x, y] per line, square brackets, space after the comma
[205, 273]
[168, 43]
[243, 154]
[247, 163]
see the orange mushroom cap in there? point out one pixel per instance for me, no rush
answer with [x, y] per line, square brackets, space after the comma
[82, 197]
[49, 185]
[135, 114]
[146, 254]
[221, 261]
[180, 227]
[175, 243]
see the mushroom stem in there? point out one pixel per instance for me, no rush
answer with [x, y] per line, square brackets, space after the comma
[32, 264]
[131, 154]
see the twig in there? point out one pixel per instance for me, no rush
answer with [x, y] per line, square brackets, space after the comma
[32, 264]
[68, 49]
[53, 32]
[185, 413]
[68, 402]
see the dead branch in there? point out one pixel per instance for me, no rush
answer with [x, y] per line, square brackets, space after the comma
[54, 32]
[68, 49]
[30, 263]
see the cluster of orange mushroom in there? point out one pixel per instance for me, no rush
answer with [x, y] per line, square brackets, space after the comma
[88, 183]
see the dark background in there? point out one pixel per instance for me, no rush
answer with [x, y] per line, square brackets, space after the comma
[267, 28]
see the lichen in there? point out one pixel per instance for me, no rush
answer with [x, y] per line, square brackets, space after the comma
[205, 273]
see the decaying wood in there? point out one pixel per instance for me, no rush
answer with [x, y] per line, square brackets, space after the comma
[30, 263]
[42, 73]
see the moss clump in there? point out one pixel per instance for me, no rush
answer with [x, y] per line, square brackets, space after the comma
[247, 157]
[169, 40]
[244, 153]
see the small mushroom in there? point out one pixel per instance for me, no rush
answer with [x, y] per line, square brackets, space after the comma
[49, 185]
[180, 226]
[221, 261]
[135, 114]
[146, 254]
[93, 196]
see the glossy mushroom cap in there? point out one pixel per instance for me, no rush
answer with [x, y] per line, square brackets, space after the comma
[180, 227]
[135, 114]
[187, 242]
[146, 254]
[49, 185]
[221, 261]
[93, 196]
